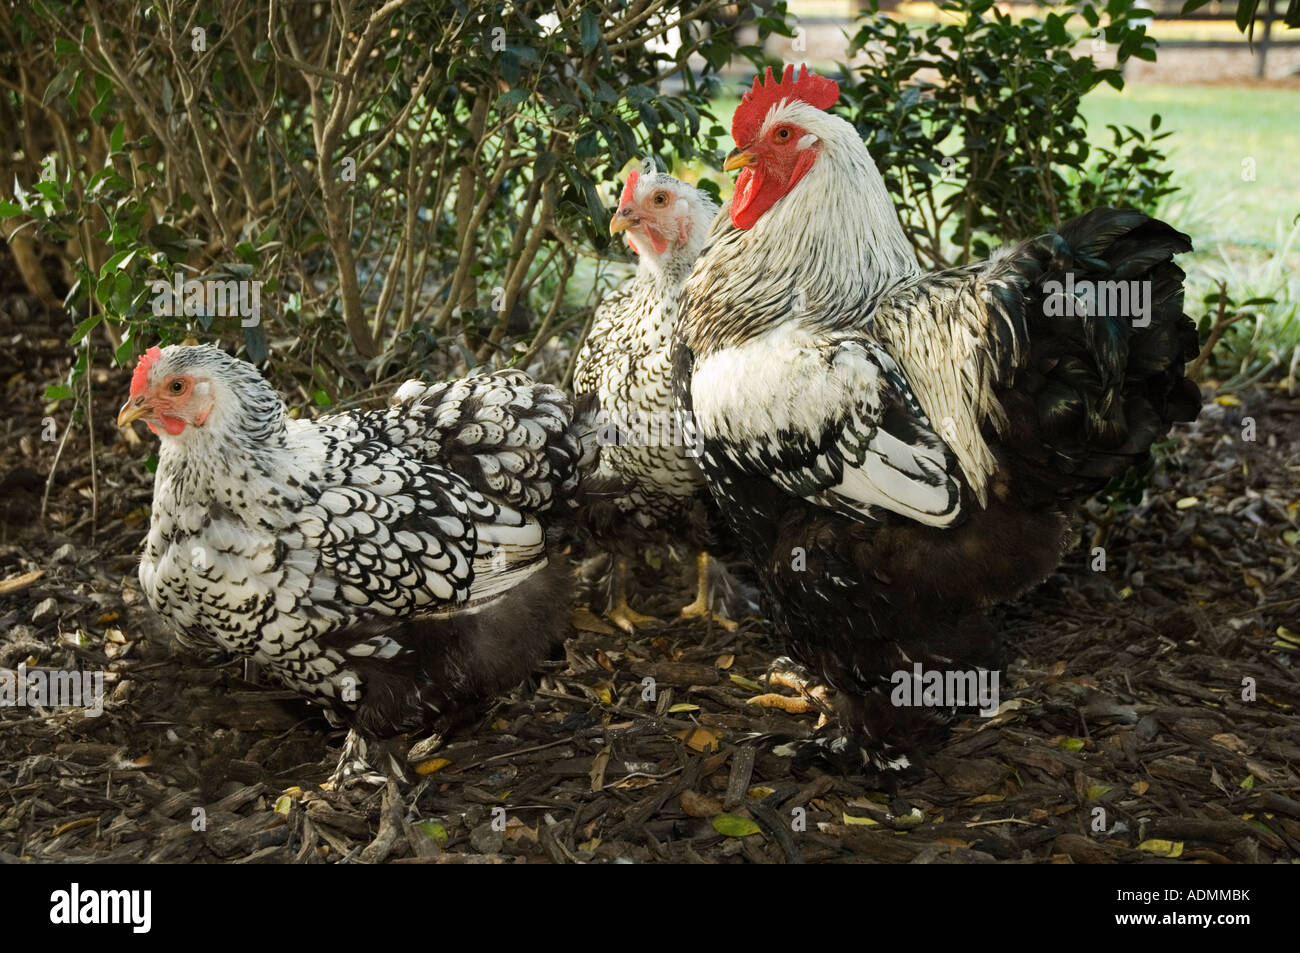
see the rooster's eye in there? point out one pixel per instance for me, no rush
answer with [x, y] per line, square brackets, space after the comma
[660, 198]
[783, 134]
[177, 386]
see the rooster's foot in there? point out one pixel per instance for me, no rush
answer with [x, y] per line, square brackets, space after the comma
[812, 697]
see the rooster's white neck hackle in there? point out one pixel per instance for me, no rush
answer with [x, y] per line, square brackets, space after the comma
[833, 239]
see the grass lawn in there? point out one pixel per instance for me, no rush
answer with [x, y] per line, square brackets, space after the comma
[1246, 231]
[1220, 134]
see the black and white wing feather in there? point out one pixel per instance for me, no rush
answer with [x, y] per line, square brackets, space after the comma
[831, 421]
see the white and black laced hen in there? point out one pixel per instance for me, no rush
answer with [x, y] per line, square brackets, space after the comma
[390, 565]
[625, 363]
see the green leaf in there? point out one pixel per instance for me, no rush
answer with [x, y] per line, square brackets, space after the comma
[62, 80]
[85, 327]
[118, 261]
[58, 392]
[1246, 14]
[125, 351]
[512, 97]
[117, 138]
[733, 825]
[590, 27]
[9, 209]
[434, 831]
[121, 296]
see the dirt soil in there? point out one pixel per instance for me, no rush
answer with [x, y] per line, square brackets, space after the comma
[1149, 710]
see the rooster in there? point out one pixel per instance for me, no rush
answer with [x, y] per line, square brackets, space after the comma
[897, 450]
[389, 565]
[625, 364]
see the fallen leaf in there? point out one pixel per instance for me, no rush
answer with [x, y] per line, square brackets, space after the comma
[434, 831]
[699, 739]
[74, 825]
[724, 662]
[859, 820]
[432, 766]
[1229, 741]
[1141, 787]
[697, 805]
[682, 706]
[1162, 848]
[733, 825]
[748, 684]
[14, 583]
[1187, 502]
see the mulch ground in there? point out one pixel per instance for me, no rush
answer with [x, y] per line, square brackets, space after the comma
[1149, 710]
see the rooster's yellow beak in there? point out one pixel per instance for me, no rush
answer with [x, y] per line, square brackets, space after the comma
[133, 409]
[738, 159]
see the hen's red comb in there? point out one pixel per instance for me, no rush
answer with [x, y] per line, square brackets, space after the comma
[140, 379]
[754, 106]
[629, 188]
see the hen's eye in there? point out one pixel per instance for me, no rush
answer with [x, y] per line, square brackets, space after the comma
[783, 134]
[660, 198]
[177, 386]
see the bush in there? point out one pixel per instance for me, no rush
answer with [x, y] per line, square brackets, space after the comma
[975, 123]
[412, 185]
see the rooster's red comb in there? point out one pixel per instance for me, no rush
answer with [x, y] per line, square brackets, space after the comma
[140, 379]
[629, 187]
[754, 106]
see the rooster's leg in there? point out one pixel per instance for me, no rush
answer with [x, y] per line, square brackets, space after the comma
[699, 609]
[812, 697]
[620, 612]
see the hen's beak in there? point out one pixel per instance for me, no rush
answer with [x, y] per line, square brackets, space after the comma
[623, 219]
[738, 159]
[133, 409]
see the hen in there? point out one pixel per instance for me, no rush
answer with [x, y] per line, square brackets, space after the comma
[390, 565]
[625, 364]
[898, 450]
